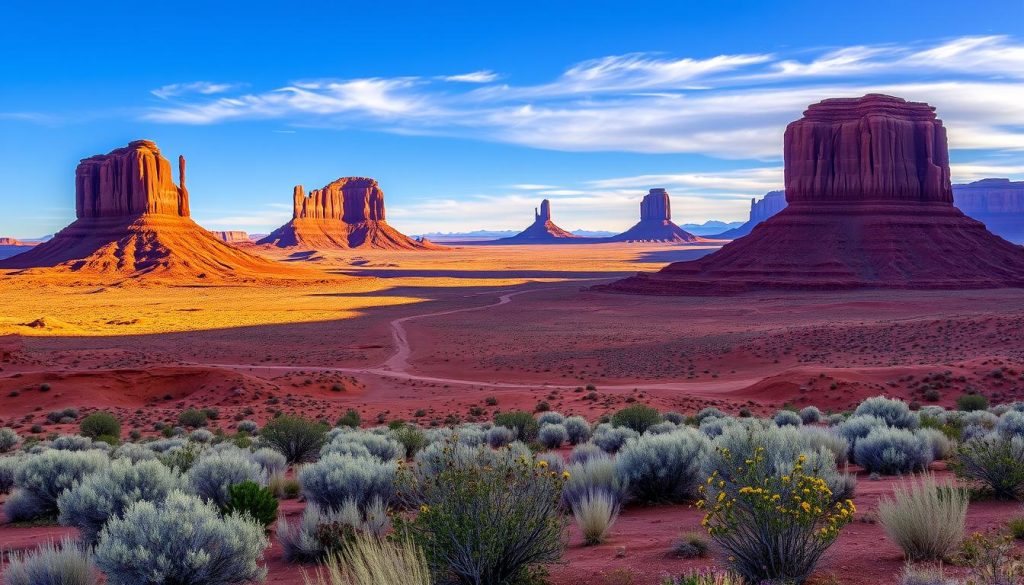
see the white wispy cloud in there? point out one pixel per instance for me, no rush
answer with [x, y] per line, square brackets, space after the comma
[483, 76]
[195, 87]
[731, 106]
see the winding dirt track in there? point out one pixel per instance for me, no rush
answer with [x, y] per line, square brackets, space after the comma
[397, 366]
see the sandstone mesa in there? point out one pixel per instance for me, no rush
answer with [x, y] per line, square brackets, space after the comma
[870, 205]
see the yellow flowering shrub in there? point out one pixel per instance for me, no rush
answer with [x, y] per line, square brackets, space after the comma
[773, 526]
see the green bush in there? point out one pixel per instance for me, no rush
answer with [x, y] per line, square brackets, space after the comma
[192, 418]
[637, 417]
[351, 419]
[486, 520]
[66, 564]
[774, 527]
[521, 422]
[100, 424]
[971, 402]
[253, 499]
[411, 437]
[297, 438]
[995, 461]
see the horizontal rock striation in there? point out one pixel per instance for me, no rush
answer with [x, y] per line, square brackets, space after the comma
[130, 181]
[869, 206]
[231, 236]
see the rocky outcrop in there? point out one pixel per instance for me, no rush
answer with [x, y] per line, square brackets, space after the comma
[998, 203]
[760, 210]
[344, 214]
[541, 231]
[873, 148]
[130, 181]
[869, 206]
[655, 223]
[231, 237]
[134, 221]
[11, 242]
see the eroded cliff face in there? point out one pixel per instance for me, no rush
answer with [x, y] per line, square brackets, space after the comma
[998, 203]
[870, 206]
[874, 148]
[542, 231]
[656, 206]
[129, 181]
[346, 213]
[349, 199]
[133, 221]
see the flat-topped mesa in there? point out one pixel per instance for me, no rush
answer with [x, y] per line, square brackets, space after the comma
[346, 213]
[870, 206]
[130, 181]
[231, 236]
[656, 206]
[873, 148]
[350, 199]
[760, 210]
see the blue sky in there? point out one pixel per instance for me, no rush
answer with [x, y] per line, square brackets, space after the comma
[470, 113]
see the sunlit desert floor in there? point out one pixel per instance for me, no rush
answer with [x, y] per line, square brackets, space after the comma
[393, 333]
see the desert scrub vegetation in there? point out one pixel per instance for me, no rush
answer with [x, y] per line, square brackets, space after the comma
[595, 474]
[50, 564]
[336, 479]
[8, 439]
[895, 413]
[662, 468]
[108, 493]
[577, 429]
[774, 527]
[522, 422]
[610, 439]
[490, 519]
[595, 512]
[380, 446]
[705, 577]
[372, 561]
[995, 462]
[180, 540]
[637, 417]
[552, 435]
[892, 451]
[101, 425]
[216, 471]
[41, 479]
[298, 439]
[925, 518]
[252, 499]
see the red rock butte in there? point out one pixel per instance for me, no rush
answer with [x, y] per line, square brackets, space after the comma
[541, 231]
[347, 213]
[870, 205]
[134, 221]
[655, 223]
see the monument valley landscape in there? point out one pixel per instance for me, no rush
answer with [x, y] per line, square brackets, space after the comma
[214, 384]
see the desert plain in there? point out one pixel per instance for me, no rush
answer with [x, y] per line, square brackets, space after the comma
[446, 336]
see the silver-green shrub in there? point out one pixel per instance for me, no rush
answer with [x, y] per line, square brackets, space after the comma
[595, 474]
[663, 468]
[895, 413]
[552, 435]
[181, 540]
[272, 461]
[498, 437]
[810, 415]
[212, 475]
[610, 439]
[788, 418]
[101, 496]
[334, 479]
[578, 429]
[1011, 423]
[550, 418]
[8, 467]
[380, 446]
[892, 451]
[41, 479]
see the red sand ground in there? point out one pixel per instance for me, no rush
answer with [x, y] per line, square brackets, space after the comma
[442, 331]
